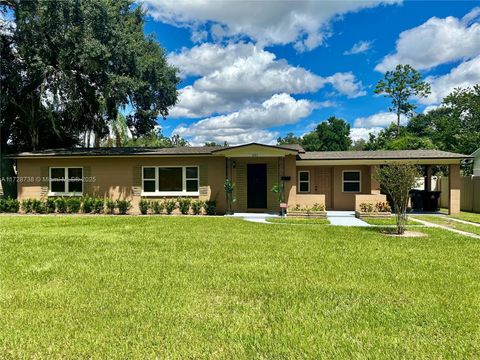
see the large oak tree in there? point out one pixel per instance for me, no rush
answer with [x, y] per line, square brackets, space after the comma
[69, 66]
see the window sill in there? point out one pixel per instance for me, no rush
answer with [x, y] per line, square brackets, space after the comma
[169, 193]
[65, 194]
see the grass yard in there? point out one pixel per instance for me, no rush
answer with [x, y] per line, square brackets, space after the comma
[388, 221]
[173, 287]
[468, 216]
[443, 220]
[299, 221]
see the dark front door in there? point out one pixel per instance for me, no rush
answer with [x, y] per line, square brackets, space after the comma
[257, 186]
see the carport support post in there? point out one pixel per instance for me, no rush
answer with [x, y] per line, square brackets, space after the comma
[374, 184]
[454, 189]
[428, 178]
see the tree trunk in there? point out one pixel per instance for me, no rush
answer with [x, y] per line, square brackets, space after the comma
[398, 122]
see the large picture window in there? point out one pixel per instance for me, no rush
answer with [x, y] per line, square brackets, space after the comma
[170, 181]
[304, 181]
[66, 181]
[352, 181]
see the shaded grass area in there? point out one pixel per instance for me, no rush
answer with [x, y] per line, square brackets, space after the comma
[468, 216]
[443, 220]
[299, 221]
[388, 221]
[146, 287]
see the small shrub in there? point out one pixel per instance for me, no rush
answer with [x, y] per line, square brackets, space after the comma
[197, 206]
[73, 205]
[144, 205]
[318, 207]
[158, 206]
[27, 207]
[170, 205]
[9, 205]
[184, 205]
[61, 205]
[383, 207]
[110, 206]
[210, 207]
[367, 207]
[87, 204]
[50, 205]
[123, 206]
[98, 205]
[38, 206]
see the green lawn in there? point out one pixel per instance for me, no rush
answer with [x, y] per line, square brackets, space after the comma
[173, 287]
[389, 221]
[299, 221]
[468, 216]
[444, 220]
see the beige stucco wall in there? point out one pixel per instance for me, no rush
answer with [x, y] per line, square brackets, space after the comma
[114, 177]
[368, 199]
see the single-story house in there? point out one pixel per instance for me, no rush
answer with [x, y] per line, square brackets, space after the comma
[341, 180]
[476, 162]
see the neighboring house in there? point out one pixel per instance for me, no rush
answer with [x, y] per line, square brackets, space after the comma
[476, 162]
[340, 180]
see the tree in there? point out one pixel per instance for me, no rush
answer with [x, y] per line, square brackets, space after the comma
[68, 66]
[213, 143]
[330, 135]
[397, 180]
[358, 145]
[155, 138]
[400, 85]
[289, 139]
[464, 106]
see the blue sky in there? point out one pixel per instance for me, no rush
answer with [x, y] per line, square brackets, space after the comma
[253, 71]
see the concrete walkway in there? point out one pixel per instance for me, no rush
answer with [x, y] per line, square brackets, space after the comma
[433, 225]
[338, 218]
[254, 217]
[345, 218]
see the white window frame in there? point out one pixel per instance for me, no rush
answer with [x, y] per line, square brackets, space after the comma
[304, 181]
[184, 191]
[65, 174]
[359, 181]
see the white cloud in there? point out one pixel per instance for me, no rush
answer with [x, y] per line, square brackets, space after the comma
[238, 75]
[302, 23]
[359, 47]
[249, 122]
[362, 133]
[435, 42]
[345, 83]
[464, 75]
[381, 119]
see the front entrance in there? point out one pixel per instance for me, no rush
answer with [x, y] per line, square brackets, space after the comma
[257, 186]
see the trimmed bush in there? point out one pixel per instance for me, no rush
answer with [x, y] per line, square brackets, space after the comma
[98, 205]
[73, 205]
[197, 206]
[49, 205]
[184, 205]
[61, 205]
[144, 205]
[170, 205]
[157, 207]
[9, 205]
[87, 204]
[123, 206]
[38, 206]
[210, 207]
[27, 206]
[110, 206]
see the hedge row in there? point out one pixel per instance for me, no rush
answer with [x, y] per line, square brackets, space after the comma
[184, 205]
[61, 205]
